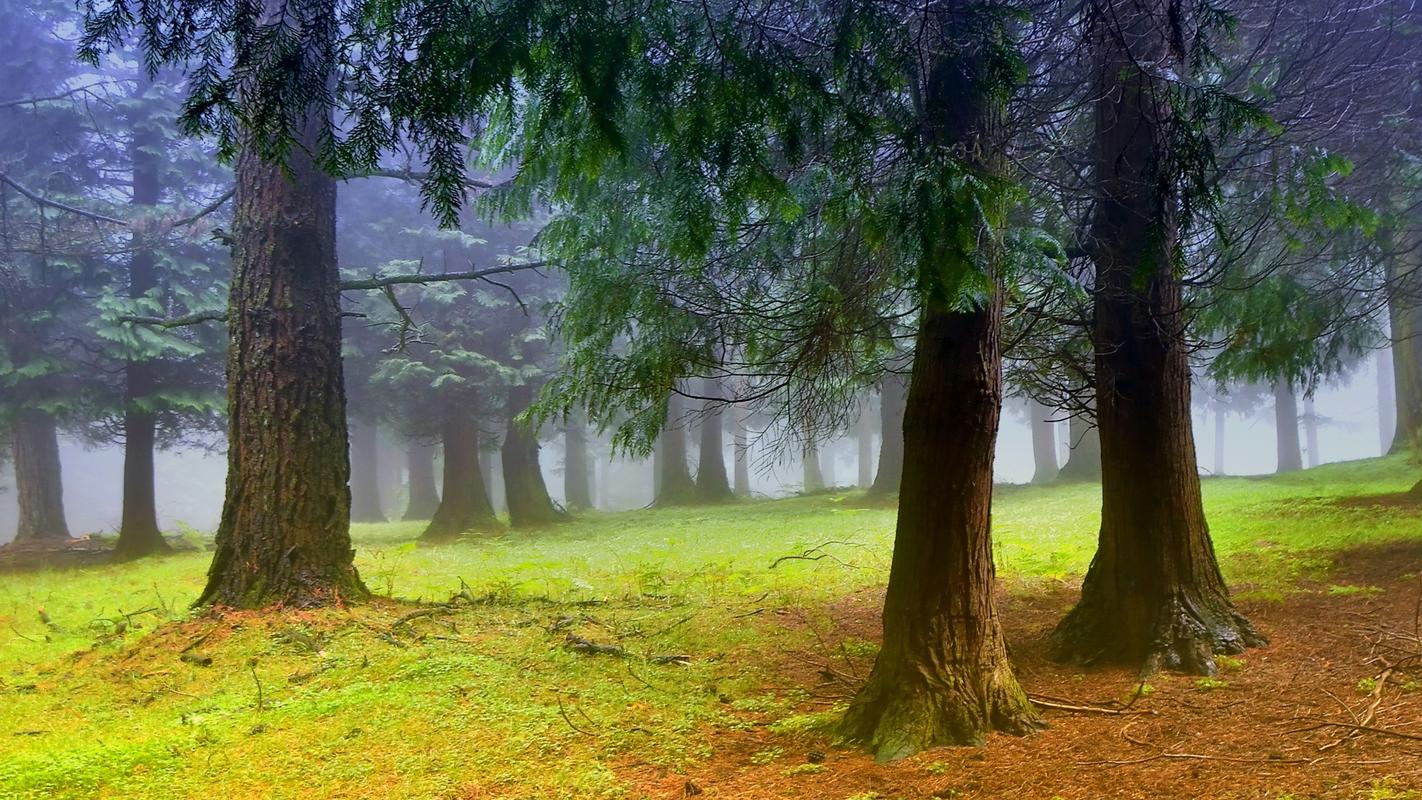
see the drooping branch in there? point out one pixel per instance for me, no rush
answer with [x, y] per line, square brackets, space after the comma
[44, 201]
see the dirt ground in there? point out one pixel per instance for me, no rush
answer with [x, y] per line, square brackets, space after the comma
[1331, 708]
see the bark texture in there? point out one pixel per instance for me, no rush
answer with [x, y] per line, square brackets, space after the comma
[285, 531]
[1044, 442]
[1286, 429]
[365, 472]
[464, 505]
[711, 483]
[674, 485]
[39, 483]
[524, 489]
[577, 466]
[423, 497]
[1154, 595]
[893, 391]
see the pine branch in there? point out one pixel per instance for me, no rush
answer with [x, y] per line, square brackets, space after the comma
[43, 201]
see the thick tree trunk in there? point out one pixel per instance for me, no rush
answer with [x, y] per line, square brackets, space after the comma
[943, 675]
[1044, 442]
[577, 467]
[813, 478]
[1084, 439]
[1310, 421]
[423, 497]
[285, 531]
[39, 484]
[524, 489]
[464, 505]
[1286, 427]
[892, 392]
[365, 472]
[711, 483]
[742, 454]
[1154, 594]
[139, 534]
[864, 442]
[1387, 401]
[674, 485]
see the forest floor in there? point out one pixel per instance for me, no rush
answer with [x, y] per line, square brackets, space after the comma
[729, 639]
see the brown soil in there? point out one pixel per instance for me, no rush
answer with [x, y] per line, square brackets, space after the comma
[1257, 733]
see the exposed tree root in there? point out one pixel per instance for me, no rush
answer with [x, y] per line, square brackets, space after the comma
[1185, 636]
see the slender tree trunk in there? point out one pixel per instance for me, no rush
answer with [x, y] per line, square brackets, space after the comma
[711, 483]
[892, 393]
[813, 478]
[1310, 421]
[1286, 426]
[864, 442]
[1154, 594]
[39, 483]
[464, 504]
[943, 675]
[285, 531]
[1219, 441]
[365, 473]
[674, 484]
[524, 489]
[742, 454]
[577, 467]
[1387, 401]
[423, 497]
[1084, 464]
[1044, 442]
[1405, 315]
[139, 534]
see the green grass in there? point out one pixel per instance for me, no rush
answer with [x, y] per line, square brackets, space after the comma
[487, 698]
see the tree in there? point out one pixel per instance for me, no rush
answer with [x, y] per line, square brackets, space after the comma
[1044, 442]
[892, 398]
[464, 505]
[675, 486]
[1084, 439]
[524, 489]
[577, 467]
[711, 483]
[1286, 426]
[423, 497]
[35, 449]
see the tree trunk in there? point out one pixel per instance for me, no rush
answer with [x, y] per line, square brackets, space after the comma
[674, 484]
[464, 505]
[1387, 401]
[1084, 464]
[1286, 426]
[39, 484]
[492, 468]
[864, 442]
[943, 675]
[365, 473]
[139, 534]
[1219, 441]
[711, 483]
[1310, 421]
[741, 452]
[813, 480]
[1405, 315]
[577, 468]
[1044, 442]
[1154, 594]
[423, 497]
[524, 489]
[285, 531]
[892, 392]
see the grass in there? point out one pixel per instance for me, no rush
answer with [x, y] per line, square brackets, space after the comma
[104, 701]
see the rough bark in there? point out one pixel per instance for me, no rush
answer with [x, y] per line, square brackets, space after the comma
[1084, 463]
[1286, 429]
[423, 497]
[139, 533]
[864, 443]
[464, 505]
[1044, 442]
[524, 489]
[675, 486]
[577, 467]
[812, 477]
[285, 531]
[943, 674]
[365, 472]
[892, 393]
[39, 483]
[742, 453]
[711, 483]
[1153, 595]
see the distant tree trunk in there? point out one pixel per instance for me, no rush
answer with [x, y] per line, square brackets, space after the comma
[1154, 594]
[464, 504]
[524, 489]
[577, 469]
[892, 393]
[365, 473]
[285, 531]
[1044, 442]
[674, 484]
[711, 483]
[1219, 440]
[813, 478]
[423, 498]
[1387, 401]
[864, 442]
[1286, 426]
[1310, 421]
[39, 484]
[1085, 442]
[491, 466]
[742, 486]
[139, 534]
